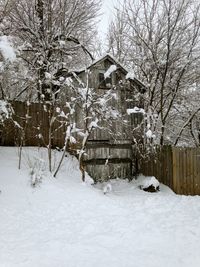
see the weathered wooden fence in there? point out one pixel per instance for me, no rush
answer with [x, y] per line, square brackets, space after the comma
[34, 119]
[104, 158]
[177, 167]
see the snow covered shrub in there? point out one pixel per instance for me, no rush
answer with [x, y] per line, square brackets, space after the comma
[107, 188]
[148, 183]
[6, 111]
[37, 171]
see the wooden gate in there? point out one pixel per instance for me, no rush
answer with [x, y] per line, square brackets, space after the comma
[106, 160]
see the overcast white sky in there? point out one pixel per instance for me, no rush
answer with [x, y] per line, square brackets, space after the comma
[107, 10]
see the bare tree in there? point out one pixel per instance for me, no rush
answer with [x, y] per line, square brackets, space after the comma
[51, 35]
[117, 40]
[4, 9]
[163, 47]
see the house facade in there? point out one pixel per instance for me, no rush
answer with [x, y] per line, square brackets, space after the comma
[109, 152]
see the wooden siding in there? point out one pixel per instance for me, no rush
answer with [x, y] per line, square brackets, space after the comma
[35, 122]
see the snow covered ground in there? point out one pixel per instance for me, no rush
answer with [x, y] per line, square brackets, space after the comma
[65, 223]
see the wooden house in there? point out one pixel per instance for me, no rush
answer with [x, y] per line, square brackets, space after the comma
[109, 152]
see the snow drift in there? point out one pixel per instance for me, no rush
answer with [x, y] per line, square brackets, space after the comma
[64, 222]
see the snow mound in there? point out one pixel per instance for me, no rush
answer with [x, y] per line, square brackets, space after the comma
[147, 181]
[65, 222]
[107, 188]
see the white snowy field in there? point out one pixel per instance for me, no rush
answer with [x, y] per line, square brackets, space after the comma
[65, 223]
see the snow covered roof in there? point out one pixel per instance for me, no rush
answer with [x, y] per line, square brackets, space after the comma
[102, 58]
[111, 58]
[115, 62]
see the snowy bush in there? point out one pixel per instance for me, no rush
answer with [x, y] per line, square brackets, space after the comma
[37, 172]
[107, 188]
[5, 111]
[148, 183]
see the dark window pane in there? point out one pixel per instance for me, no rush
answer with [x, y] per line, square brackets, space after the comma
[104, 83]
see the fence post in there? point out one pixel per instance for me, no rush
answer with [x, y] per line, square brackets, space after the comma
[174, 170]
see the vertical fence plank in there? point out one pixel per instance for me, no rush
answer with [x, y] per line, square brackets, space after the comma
[179, 172]
[197, 172]
[182, 170]
[185, 173]
[191, 170]
[174, 168]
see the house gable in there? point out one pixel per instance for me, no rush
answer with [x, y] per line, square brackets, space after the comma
[99, 67]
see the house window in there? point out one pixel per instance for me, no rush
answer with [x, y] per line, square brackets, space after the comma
[104, 83]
